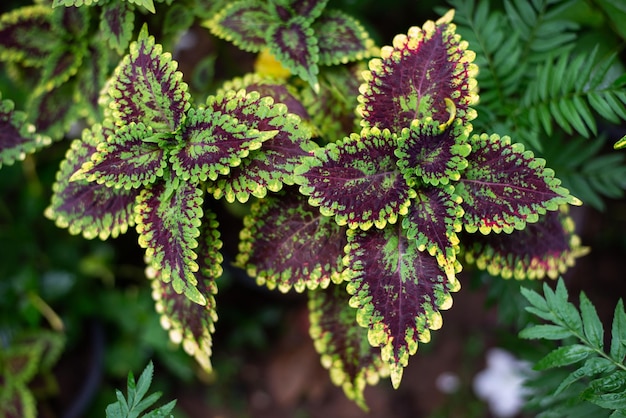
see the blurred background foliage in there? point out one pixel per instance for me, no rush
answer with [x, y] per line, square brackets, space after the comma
[96, 296]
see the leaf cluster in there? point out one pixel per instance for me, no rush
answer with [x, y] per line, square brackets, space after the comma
[598, 373]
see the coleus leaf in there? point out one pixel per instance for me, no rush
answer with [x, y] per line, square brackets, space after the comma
[344, 349]
[61, 65]
[72, 21]
[289, 245]
[147, 88]
[244, 23]
[341, 39]
[505, 187]
[187, 322]
[356, 180]
[168, 216]
[545, 248]
[287, 9]
[92, 209]
[277, 89]
[294, 44]
[398, 292]
[117, 22]
[426, 73]
[214, 138]
[26, 35]
[432, 153]
[129, 158]
[90, 81]
[433, 220]
[17, 136]
[52, 112]
[269, 167]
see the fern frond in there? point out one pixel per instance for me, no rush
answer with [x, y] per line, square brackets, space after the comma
[585, 171]
[540, 27]
[571, 91]
[603, 371]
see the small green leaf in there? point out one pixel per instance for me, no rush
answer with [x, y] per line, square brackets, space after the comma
[564, 356]
[591, 323]
[593, 366]
[618, 333]
[548, 332]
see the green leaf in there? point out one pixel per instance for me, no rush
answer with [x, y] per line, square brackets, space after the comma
[618, 333]
[344, 349]
[564, 356]
[398, 292]
[17, 136]
[18, 401]
[168, 216]
[356, 180]
[547, 332]
[289, 245]
[593, 366]
[594, 330]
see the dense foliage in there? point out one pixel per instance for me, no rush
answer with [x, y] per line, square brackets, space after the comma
[370, 176]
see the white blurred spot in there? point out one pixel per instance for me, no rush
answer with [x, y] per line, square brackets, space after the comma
[501, 384]
[448, 382]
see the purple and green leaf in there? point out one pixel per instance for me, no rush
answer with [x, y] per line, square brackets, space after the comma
[287, 9]
[417, 77]
[117, 22]
[432, 153]
[269, 167]
[398, 292]
[73, 21]
[356, 180]
[294, 44]
[244, 23]
[168, 217]
[433, 221]
[545, 248]
[147, 88]
[343, 346]
[187, 322]
[213, 139]
[129, 158]
[61, 64]
[91, 79]
[17, 136]
[87, 207]
[53, 112]
[505, 187]
[27, 36]
[341, 39]
[289, 245]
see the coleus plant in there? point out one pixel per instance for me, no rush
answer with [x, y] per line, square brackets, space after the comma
[374, 226]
